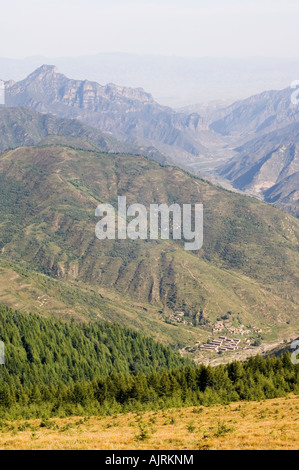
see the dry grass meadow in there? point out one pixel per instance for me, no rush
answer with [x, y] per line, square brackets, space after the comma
[271, 424]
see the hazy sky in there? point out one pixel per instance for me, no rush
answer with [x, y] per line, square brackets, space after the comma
[193, 28]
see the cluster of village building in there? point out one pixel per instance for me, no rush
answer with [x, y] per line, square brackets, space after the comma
[222, 344]
[227, 325]
[178, 317]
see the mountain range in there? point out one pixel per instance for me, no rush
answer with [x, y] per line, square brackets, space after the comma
[257, 115]
[250, 144]
[130, 115]
[173, 81]
[24, 126]
[68, 145]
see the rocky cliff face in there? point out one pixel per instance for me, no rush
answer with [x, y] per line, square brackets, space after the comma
[257, 115]
[285, 194]
[265, 128]
[268, 167]
[129, 114]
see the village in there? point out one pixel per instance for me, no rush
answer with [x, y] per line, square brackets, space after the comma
[227, 325]
[222, 343]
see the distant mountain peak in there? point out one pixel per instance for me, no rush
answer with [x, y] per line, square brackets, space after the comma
[45, 70]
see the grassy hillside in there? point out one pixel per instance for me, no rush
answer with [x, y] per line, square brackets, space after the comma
[248, 265]
[265, 425]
